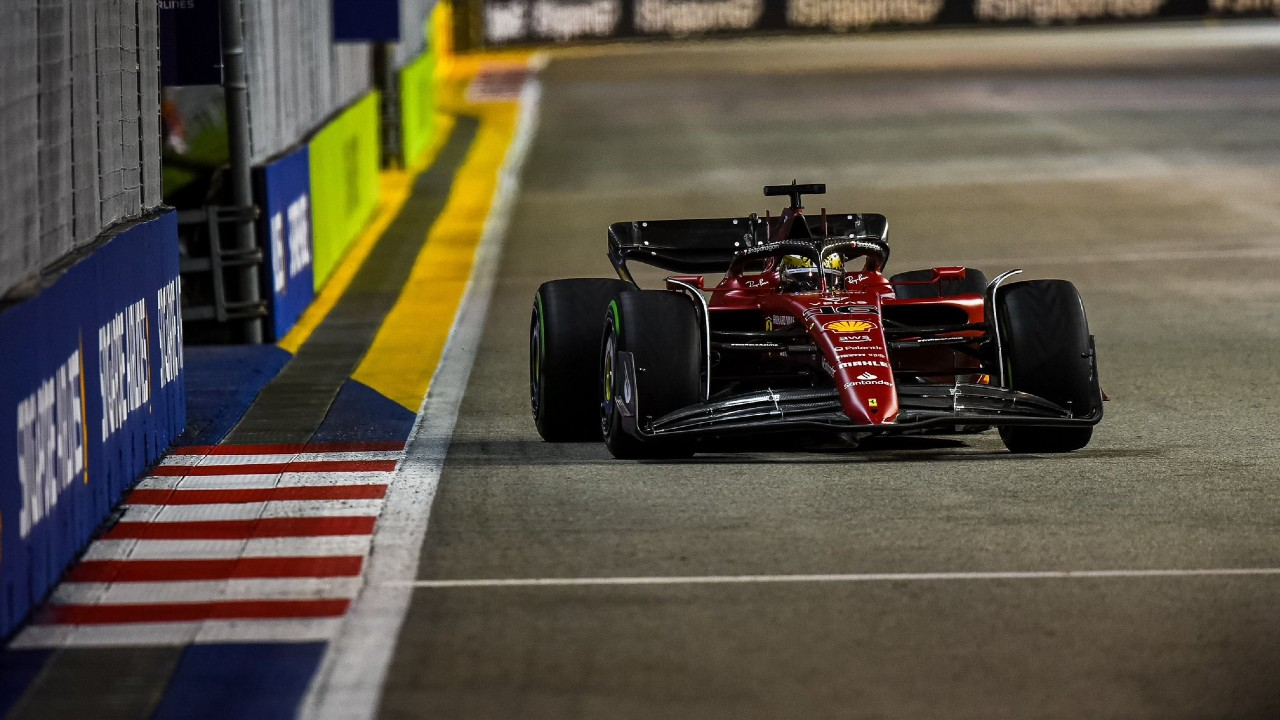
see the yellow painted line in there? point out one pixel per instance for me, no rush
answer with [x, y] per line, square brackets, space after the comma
[394, 190]
[411, 340]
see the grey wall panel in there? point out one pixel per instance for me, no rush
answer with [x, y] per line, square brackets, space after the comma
[79, 125]
[55, 210]
[298, 78]
[86, 193]
[149, 84]
[130, 112]
[109, 88]
[413, 25]
[19, 140]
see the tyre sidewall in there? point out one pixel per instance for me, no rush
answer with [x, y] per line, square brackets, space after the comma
[660, 329]
[564, 336]
[1047, 352]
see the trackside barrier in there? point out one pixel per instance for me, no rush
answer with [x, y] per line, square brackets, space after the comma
[417, 106]
[510, 22]
[93, 393]
[284, 190]
[344, 162]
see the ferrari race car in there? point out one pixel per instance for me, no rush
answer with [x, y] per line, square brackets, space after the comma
[804, 334]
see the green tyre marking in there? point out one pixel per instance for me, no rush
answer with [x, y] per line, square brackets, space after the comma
[542, 328]
[617, 324]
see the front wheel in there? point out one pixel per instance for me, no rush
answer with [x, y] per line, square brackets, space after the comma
[660, 330]
[1047, 352]
[564, 335]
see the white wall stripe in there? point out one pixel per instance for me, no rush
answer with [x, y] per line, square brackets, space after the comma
[321, 546]
[253, 482]
[215, 460]
[364, 477]
[181, 460]
[251, 511]
[160, 483]
[276, 458]
[268, 478]
[178, 633]
[143, 593]
[349, 683]
[294, 630]
[138, 635]
[838, 578]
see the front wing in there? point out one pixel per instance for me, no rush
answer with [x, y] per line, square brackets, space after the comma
[922, 407]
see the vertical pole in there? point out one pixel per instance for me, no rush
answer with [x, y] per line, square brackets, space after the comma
[386, 79]
[236, 88]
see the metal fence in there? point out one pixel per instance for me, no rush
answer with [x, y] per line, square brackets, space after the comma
[79, 125]
[297, 76]
[80, 109]
[414, 15]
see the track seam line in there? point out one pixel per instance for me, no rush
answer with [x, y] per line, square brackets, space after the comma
[831, 578]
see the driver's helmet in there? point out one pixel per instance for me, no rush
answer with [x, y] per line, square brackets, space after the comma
[798, 273]
[833, 268]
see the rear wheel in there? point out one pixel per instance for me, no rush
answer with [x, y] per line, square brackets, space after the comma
[974, 282]
[564, 337]
[1047, 352]
[660, 329]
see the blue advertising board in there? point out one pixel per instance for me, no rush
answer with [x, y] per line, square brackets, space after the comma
[284, 189]
[366, 20]
[92, 394]
[190, 42]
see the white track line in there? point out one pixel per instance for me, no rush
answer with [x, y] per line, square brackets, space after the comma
[837, 578]
[349, 683]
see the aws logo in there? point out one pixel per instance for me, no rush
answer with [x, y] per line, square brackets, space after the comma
[852, 326]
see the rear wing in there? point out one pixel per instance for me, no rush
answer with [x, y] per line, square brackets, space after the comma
[709, 245]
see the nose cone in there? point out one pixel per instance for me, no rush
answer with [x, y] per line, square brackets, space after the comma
[867, 395]
[856, 357]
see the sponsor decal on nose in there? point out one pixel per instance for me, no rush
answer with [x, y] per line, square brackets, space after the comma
[850, 326]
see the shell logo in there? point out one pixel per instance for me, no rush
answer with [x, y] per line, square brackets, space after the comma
[849, 326]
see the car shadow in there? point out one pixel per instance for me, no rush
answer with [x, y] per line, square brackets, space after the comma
[535, 452]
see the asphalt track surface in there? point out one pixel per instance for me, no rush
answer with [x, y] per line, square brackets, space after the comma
[1142, 163]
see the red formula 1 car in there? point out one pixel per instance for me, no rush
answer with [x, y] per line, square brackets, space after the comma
[804, 334]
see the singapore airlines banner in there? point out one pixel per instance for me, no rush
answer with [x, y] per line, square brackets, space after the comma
[92, 395]
[508, 22]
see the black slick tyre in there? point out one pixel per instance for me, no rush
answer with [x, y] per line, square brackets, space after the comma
[974, 282]
[1048, 353]
[564, 340]
[660, 329]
